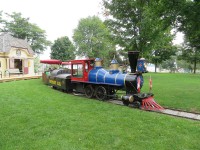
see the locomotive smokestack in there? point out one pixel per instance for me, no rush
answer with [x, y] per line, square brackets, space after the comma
[133, 57]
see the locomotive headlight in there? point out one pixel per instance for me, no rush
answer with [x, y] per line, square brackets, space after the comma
[127, 98]
[131, 99]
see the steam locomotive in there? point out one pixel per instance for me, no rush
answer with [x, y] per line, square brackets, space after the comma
[90, 78]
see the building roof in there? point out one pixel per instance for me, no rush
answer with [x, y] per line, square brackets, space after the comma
[7, 41]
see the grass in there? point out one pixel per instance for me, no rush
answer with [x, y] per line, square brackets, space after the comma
[179, 91]
[34, 116]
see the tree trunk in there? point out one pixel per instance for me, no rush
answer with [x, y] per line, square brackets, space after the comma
[195, 65]
[155, 66]
[195, 60]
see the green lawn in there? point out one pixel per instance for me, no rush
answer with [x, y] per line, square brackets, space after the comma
[36, 117]
[180, 91]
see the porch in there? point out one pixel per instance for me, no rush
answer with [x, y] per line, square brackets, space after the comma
[19, 77]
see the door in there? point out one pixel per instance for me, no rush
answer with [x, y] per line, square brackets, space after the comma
[25, 66]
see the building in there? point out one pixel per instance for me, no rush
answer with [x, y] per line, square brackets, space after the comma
[15, 54]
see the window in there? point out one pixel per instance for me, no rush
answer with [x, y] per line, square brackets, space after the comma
[18, 52]
[66, 66]
[77, 70]
[86, 66]
[0, 64]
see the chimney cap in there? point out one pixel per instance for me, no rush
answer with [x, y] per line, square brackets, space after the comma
[114, 61]
[98, 59]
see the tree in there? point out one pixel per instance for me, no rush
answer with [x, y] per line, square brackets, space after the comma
[135, 24]
[163, 50]
[191, 55]
[161, 55]
[143, 25]
[184, 66]
[21, 28]
[62, 49]
[1, 20]
[190, 25]
[170, 64]
[93, 39]
[37, 64]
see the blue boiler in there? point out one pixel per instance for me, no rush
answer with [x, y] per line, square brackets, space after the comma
[112, 77]
[99, 75]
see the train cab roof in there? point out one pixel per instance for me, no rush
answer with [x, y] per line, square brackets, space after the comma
[51, 61]
[81, 60]
[66, 63]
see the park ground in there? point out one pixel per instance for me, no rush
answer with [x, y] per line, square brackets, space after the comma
[179, 91]
[34, 116]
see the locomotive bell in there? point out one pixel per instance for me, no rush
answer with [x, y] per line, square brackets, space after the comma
[98, 62]
[114, 64]
[114, 67]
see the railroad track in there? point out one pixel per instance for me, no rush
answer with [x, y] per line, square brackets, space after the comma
[168, 111]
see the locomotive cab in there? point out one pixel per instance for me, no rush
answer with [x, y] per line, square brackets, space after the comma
[80, 69]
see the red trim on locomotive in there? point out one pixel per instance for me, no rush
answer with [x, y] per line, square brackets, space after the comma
[66, 63]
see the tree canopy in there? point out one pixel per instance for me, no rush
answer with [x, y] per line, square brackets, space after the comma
[136, 25]
[190, 25]
[140, 25]
[93, 39]
[0, 19]
[62, 49]
[146, 26]
[20, 27]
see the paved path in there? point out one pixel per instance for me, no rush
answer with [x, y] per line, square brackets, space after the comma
[176, 113]
[181, 114]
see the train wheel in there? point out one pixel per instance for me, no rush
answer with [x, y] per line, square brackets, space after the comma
[136, 104]
[112, 91]
[101, 93]
[126, 103]
[89, 91]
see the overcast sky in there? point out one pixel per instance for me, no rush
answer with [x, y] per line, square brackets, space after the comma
[57, 17]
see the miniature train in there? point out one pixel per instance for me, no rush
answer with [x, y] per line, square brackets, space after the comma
[90, 78]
